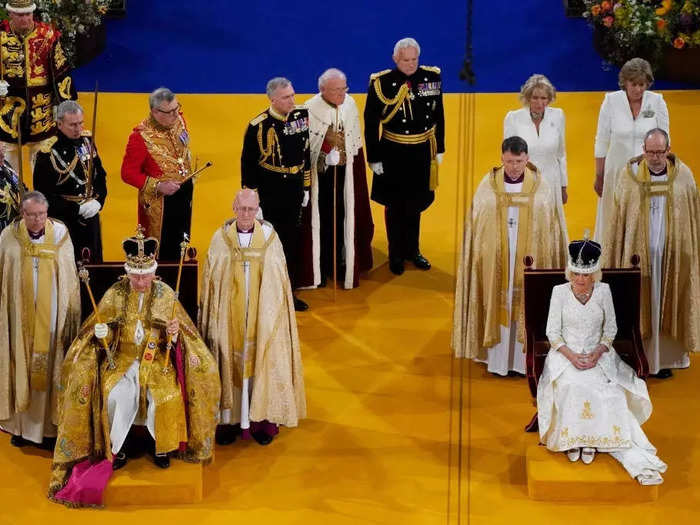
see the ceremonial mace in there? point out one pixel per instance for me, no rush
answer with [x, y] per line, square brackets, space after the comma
[20, 168]
[173, 338]
[84, 276]
[335, 215]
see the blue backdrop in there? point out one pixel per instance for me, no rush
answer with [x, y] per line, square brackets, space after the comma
[224, 46]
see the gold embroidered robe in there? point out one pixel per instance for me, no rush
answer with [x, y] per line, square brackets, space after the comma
[278, 390]
[482, 278]
[22, 366]
[627, 234]
[87, 380]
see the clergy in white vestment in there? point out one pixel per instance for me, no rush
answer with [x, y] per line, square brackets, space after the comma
[625, 116]
[656, 215]
[246, 316]
[39, 317]
[543, 128]
[588, 399]
[338, 182]
[513, 214]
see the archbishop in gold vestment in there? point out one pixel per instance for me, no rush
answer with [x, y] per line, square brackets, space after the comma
[247, 319]
[482, 291]
[627, 234]
[188, 426]
[39, 317]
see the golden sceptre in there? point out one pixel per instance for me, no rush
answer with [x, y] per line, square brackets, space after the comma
[173, 338]
[84, 276]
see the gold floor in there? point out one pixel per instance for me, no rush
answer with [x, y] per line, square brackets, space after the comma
[375, 447]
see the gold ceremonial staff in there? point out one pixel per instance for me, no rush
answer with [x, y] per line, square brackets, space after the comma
[91, 162]
[335, 215]
[20, 168]
[84, 276]
[195, 173]
[173, 338]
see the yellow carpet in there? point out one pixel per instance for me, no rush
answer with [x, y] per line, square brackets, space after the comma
[375, 447]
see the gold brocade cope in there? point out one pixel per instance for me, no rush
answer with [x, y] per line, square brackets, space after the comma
[522, 200]
[171, 152]
[482, 279]
[627, 234]
[244, 306]
[86, 381]
[37, 312]
[420, 138]
[278, 388]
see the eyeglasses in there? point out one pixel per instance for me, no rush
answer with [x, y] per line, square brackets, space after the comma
[656, 153]
[172, 112]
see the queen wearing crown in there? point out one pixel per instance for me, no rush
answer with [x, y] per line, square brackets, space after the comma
[588, 399]
[122, 370]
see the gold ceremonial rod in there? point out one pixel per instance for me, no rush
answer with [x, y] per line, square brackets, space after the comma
[84, 276]
[194, 174]
[335, 216]
[20, 167]
[173, 338]
[91, 161]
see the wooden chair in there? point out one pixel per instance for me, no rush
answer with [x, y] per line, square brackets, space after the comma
[625, 286]
[105, 274]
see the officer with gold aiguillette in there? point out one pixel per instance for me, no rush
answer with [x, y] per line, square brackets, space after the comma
[405, 137]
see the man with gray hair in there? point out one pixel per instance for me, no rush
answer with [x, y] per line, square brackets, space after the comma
[69, 172]
[405, 137]
[656, 216]
[158, 162]
[275, 161]
[39, 317]
[338, 183]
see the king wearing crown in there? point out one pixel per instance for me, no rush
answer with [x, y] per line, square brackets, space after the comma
[133, 363]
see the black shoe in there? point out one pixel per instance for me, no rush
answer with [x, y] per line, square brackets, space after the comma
[664, 373]
[119, 460]
[299, 305]
[421, 262]
[19, 441]
[396, 266]
[226, 434]
[513, 373]
[161, 460]
[324, 282]
[262, 438]
[48, 443]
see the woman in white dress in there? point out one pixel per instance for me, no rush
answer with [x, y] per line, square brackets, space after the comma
[588, 399]
[625, 117]
[543, 128]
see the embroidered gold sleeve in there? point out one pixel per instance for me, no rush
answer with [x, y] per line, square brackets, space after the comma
[59, 57]
[64, 88]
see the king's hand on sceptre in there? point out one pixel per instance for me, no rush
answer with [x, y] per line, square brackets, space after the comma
[167, 187]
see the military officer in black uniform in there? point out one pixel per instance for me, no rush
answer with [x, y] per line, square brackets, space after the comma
[276, 162]
[61, 173]
[405, 103]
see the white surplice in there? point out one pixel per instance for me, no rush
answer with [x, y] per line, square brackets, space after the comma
[35, 423]
[619, 138]
[602, 407]
[546, 148]
[247, 386]
[508, 353]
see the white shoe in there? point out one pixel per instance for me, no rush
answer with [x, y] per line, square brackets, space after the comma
[587, 455]
[573, 454]
[650, 477]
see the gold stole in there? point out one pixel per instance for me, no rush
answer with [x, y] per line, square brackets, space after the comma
[37, 334]
[244, 310]
[523, 200]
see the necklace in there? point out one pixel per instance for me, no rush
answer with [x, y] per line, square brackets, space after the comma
[582, 297]
[536, 116]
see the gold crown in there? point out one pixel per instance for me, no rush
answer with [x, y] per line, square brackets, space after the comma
[20, 6]
[140, 253]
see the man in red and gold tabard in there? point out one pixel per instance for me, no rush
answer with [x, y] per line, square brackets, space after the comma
[157, 161]
[34, 77]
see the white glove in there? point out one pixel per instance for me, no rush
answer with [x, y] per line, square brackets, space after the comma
[333, 157]
[89, 209]
[305, 202]
[101, 330]
[438, 157]
[376, 167]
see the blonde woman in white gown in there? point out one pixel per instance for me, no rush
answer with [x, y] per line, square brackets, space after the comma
[543, 128]
[588, 399]
[624, 119]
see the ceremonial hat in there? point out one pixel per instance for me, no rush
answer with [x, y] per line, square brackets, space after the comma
[140, 253]
[20, 6]
[584, 256]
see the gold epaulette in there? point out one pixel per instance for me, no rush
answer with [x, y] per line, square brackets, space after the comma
[47, 144]
[434, 69]
[86, 133]
[257, 120]
[379, 74]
